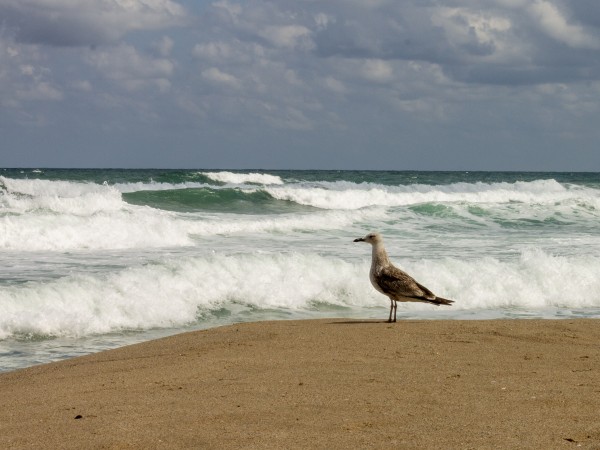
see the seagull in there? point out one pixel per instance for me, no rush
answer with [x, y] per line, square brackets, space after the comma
[393, 282]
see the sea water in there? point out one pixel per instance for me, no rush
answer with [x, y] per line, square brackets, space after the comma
[94, 259]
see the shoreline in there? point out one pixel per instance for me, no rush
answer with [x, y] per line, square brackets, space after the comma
[326, 383]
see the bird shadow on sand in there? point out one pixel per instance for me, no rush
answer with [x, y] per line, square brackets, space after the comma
[357, 321]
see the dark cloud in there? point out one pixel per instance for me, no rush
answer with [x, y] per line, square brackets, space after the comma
[586, 12]
[69, 23]
[524, 45]
[33, 28]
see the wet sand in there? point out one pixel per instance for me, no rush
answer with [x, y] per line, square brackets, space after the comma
[320, 384]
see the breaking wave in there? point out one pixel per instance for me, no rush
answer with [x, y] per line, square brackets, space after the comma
[175, 293]
[243, 178]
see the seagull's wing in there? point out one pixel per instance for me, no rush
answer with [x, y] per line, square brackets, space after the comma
[396, 282]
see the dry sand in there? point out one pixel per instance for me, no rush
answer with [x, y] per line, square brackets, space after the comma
[321, 384]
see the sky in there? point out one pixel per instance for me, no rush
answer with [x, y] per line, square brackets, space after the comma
[301, 84]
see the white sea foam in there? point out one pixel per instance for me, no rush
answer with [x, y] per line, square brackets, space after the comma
[142, 227]
[174, 293]
[535, 280]
[158, 186]
[119, 230]
[40, 188]
[65, 215]
[243, 178]
[328, 220]
[62, 215]
[22, 196]
[347, 195]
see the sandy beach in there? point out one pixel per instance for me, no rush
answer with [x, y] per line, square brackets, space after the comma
[320, 384]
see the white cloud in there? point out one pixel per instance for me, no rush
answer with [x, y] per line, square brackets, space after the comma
[552, 22]
[335, 85]
[217, 76]
[24, 77]
[234, 52]
[463, 25]
[288, 36]
[322, 20]
[213, 50]
[377, 70]
[27, 69]
[232, 9]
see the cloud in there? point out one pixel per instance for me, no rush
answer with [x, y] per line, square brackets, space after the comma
[520, 42]
[213, 50]
[86, 22]
[216, 76]
[298, 64]
[347, 72]
[476, 33]
[404, 69]
[288, 36]
[334, 85]
[229, 52]
[130, 69]
[550, 19]
[40, 90]
[377, 70]
[24, 77]
[164, 46]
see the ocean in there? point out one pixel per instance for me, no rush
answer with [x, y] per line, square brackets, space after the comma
[96, 259]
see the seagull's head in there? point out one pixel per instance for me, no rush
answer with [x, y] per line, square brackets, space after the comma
[371, 238]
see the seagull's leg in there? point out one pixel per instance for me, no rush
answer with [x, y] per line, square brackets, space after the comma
[391, 307]
[395, 307]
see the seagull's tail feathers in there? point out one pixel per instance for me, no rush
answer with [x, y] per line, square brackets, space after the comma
[441, 301]
[430, 297]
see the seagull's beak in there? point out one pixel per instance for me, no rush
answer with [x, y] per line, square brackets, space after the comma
[359, 240]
